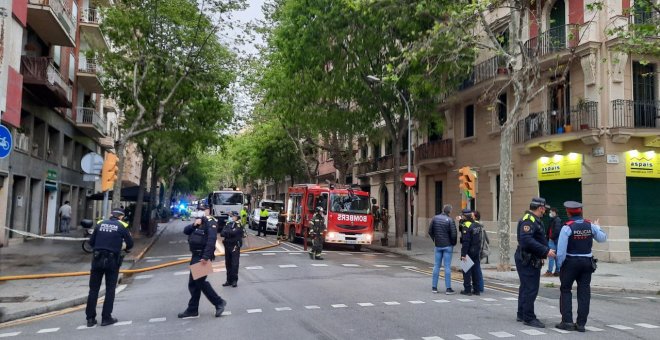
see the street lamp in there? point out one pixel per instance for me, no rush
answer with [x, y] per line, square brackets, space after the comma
[374, 79]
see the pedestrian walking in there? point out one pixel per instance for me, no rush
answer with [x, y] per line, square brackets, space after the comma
[443, 233]
[263, 217]
[552, 235]
[106, 240]
[575, 257]
[316, 231]
[202, 235]
[532, 249]
[471, 246]
[484, 249]
[233, 241]
[65, 217]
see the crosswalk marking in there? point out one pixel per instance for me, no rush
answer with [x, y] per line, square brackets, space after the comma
[85, 327]
[256, 310]
[441, 301]
[559, 330]
[154, 260]
[391, 303]
[468, 336]
[312, 307]
[365, 304]
[245, 255]
[489, 299]
[502, 334]
[254, 268]
[268, 254]
[532, 332]
[142, 277]
[184, 258]
[294, 253]
[633, 298]
[7, 335]
[182, 273]
[620, 327]
[281, 309]
[390, 255]
[288, 266]
[593, 329]
[651, 297]
[416, 302]
[217, 270]
[511, 299]
[381, 266]
[465, 300]
[319, 265]
[123, 323]
[432, 338]
[646, 325]
[48, 330]
[341, 305]
[350, 265]
[158, 320]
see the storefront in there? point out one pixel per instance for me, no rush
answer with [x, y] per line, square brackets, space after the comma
[643, 198]
[560, 180]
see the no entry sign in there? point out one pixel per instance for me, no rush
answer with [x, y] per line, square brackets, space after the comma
[409, 179]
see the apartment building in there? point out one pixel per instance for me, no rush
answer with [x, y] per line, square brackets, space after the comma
[54, 109]
[593, 139]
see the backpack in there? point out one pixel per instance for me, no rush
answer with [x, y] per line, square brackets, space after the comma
[485, 249]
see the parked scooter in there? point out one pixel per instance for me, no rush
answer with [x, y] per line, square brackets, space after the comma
[88, 230]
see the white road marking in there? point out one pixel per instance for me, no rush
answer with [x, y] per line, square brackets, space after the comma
[312, 307]
[489, 299]
[319, 265]
[288, 266]
[226, 313]
[365, 304]
[511, 299]
[432, 338]
[390, 255]
[217, 270]
[254, 268]
[651, 297]
[341, 305]
[49, 330]
[391, 303]
[345, 254]
[468, 336]
[182, 273]
[381, 266]
[184, 258]
[416, 302]
[142, 277]
[154, 260]
[158, 320]
[559, 330]
[633, 298]
[593, 329]
[369, 254]
[280, 309]
[621, 327]
[646, 325]
[268, 254]
[532, 332]
[409, 267]
[465, 300]
[350, 265]
[294, 253]
[441, 301]
[502, 334]
[7, 335]
[85, 327]
[250, 311]
[245, 255]
[123, 323]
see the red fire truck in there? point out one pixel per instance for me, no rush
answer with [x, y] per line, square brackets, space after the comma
[348, 213]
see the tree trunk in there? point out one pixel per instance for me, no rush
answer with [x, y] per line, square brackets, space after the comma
[137, 217]
[153, 202]
[120, 146]
[506, 178]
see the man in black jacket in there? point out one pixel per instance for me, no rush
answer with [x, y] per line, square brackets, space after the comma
[443, 233]
[552, 235]
[471, 246]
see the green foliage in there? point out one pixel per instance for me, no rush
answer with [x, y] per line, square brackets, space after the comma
[641, 35]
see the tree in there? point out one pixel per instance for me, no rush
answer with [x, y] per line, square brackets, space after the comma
[165, 54]
[641, 35]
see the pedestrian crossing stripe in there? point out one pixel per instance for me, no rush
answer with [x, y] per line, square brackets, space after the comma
[502, 334]
[281, 309]
[646, 325]
[532, 332]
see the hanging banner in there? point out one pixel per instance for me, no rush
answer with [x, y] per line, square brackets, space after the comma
[642, 164]
[559, 167]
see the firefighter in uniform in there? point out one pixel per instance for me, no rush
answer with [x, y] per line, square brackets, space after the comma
[202, 235]
[532, 249]
[577, 264]
[263, 217]
[471, 246]
[233, 239]
[316, 231]
[107, 242]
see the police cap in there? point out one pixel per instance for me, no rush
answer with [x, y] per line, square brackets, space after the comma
[466, 211]
[538, 202]
[117, 212]
[572, 205]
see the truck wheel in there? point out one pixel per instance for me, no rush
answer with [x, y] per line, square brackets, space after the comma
[292, 234]
[357, 247]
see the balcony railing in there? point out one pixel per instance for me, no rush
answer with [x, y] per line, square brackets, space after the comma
[61, 11]
[40, 71]
[540, 124]
[484, 71]
[89, 116]
[554, 40]
[433, 150]
[635, 114]
[90, 16]
[88, 65]
[364, 167]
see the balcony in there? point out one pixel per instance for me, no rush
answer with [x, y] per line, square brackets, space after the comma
[554, 40]
[90, 29]
[52, 21]
[435, 153]
[493, 69]
[633, 118]
[44, 81]
[90, 122]
[89, 74]
[549, 129]
[362, 168]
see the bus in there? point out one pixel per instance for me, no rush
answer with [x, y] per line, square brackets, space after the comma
[347, 213]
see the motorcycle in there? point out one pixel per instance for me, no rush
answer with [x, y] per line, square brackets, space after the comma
[88, 230]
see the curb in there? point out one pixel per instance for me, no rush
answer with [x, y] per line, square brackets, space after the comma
[596, 288]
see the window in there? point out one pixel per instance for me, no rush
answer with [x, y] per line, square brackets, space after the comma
[388, 147]
[501, 109]
[310, 203]
[469, 121]
[363, 153]
[350, 204]
[377, 150]
[435, 133]
[57, 55]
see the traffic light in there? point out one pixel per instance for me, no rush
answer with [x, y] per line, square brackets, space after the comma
[467, 181]
[109, 172]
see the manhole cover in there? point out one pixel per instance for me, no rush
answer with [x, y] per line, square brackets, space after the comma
[12, 299]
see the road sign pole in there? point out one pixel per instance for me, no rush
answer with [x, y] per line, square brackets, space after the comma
[106, 201]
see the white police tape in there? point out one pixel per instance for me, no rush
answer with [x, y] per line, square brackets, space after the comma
[59, 238]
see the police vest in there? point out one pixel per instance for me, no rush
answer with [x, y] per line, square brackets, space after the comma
[263, 213]
[581, 239]
[198, 238]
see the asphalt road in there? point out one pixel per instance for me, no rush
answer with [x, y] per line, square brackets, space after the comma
[282, 294]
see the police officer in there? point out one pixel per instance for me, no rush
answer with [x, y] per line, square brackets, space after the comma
[577, 263]
[244, 216]
[202, 235]
[107, 242]
[532, 249]
[263, 217]
[317, 228]
[471, 246]
[233, 240]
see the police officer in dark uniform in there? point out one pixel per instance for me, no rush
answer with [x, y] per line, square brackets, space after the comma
[532, 249]
[233, 240]
[471, 246]
[577, 264]
[317, 228]
[107, 242]
[202, 235]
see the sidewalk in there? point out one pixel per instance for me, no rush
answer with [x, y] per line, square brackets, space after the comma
[23, 298]
[641, 277]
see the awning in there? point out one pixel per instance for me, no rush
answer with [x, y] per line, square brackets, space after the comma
[127, 194]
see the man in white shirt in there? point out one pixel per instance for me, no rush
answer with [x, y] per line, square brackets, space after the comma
[65, 217]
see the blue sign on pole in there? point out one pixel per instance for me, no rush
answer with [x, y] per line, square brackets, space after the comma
[6, 142]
